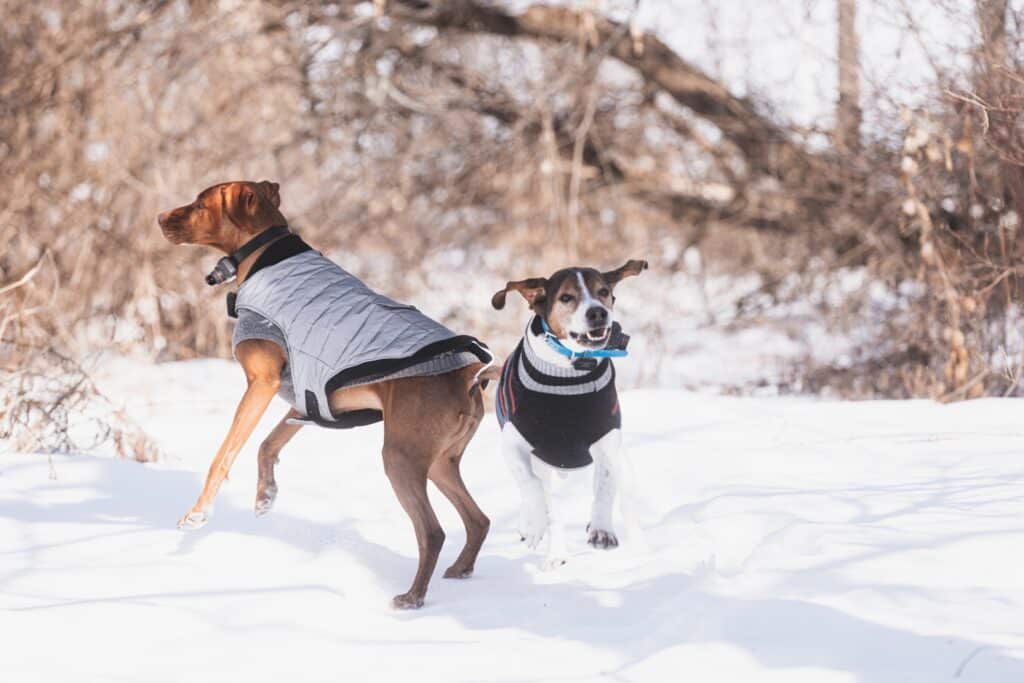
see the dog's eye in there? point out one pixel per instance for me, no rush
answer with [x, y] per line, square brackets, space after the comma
[603, 292]
[566, 298]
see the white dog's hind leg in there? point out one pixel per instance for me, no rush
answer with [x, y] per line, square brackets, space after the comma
[533, 519]
[606, 453]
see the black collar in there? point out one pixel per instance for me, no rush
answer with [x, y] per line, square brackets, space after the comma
[285, 248]
[227, 268]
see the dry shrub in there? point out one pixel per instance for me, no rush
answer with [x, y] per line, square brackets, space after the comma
[939, 314]
[49, 402]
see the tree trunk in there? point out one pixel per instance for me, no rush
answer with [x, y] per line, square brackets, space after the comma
[848, 111]
[999, 91]
[995, 86]
[992, 26]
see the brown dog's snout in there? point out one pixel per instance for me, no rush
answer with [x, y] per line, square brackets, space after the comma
[171, 226]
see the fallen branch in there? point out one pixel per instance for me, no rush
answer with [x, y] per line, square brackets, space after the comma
[24, 279]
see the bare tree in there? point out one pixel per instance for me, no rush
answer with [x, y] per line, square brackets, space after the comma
[995, 84]
[848, 110]
[992, 26]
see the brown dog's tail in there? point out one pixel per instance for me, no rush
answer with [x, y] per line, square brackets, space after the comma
[483, 373]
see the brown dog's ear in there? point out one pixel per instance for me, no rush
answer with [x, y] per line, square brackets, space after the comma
[271, 191]
[532, 290]
[629, 269]
[240, 204]
[249, 200]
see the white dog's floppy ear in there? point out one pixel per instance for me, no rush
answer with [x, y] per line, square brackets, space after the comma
[532, 290]
[629, 269]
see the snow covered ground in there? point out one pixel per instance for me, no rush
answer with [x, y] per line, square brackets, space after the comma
[784, 540]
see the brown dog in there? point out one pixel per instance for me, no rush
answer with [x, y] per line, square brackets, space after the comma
[428, 421]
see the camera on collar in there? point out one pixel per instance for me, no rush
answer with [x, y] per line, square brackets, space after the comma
[225, 271]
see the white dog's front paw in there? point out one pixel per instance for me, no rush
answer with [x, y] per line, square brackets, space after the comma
[532, 541]
[602, 539]
[533, 524]
[552, 562]
[193, 520]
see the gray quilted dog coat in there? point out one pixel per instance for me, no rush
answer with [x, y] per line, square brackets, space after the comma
[338, 331]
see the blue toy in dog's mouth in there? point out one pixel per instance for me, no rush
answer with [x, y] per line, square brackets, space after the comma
[598, 336]
[588, 359]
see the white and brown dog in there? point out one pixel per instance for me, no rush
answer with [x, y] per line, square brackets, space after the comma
[557, 404]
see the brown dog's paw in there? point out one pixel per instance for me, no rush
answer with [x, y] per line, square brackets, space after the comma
[193, 520]
[457, 572]
[407, 601]
[265, 501]
[605, 540]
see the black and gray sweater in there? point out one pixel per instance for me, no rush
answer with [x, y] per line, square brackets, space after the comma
[560, 411]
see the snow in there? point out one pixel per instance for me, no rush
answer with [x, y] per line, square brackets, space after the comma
[783, 540]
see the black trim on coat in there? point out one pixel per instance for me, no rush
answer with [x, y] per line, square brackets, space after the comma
[346, 420]
[388, 366]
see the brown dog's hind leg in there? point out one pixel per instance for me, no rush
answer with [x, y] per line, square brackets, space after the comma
[446, 476]
[407, 470]
[266, 487]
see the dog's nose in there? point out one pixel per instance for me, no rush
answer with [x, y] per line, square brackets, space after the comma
[162, 218]
[597, 315]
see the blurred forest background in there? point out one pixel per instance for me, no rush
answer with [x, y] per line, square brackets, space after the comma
[828, 191]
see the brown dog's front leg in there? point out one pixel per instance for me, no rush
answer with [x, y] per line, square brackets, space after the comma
[263, 372]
